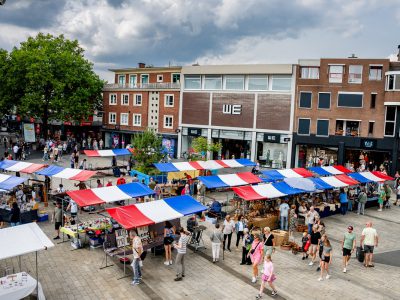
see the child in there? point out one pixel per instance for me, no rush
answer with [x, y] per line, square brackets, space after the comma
[267, 276]
[306, 244]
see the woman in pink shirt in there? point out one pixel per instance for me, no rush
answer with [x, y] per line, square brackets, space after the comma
[268, 276]
[256, 255]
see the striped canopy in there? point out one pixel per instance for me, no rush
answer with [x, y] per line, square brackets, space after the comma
[110, 194]
[229, 180]
[67, 173]
[274, 175]
[144, 214]
[330, 170]
[20, 166]
[8, 182]
[204, 165]
[107, 153]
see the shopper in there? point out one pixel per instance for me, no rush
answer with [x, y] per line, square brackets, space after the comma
[247, 241]
[362, 199]
[99, 184]
[388, 193]
[268, 276]
[310, 218]
[305, 243]
[369, 240]
[169, 234]
[381, 198]
[397, 194]
[256, 255]
[216, 240]
[326, 258]
[57, 219]
[292, 221]
[269, 241]
[283, 214]
[180, 257]
[228, 228]
[15, 219]
[137, 250]
[315, 236]
[344, 202]
[348, 246]
[239, 227]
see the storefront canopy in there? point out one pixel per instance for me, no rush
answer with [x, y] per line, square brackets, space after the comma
[204, 165]
[22, 239]
[107, 153]
[144, 214]
[275, 175]
[330, 170]
[8, 182]
[67, 173]
[229, 180]
[320, 184]
[20, 166]
[110, 194]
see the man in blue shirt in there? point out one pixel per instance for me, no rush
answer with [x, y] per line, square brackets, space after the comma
[283, 213]
[344, 202]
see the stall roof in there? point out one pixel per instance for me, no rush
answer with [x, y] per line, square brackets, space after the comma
[143, 214]
[333, 181]
[301, 183]
[8, 182]
[20, 166]
[361, 178]
[67, 173]
[258, 192]
[107, 153]
[229, 180]
[346, 179]
[204, 165]
[22, 239]
[382, 176]
[274, 175]
[321, 185]
[110, 194]
[330, 170]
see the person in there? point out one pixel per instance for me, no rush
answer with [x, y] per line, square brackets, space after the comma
[137, 250]
[215, 208]
[99, 185]
[348, 246]
[369, 240]
[269, 241]
[47, 183]
[201, 191]
[101, 144]
[315, 236]
[256, 254]
[81, 185]
[310, 217]
[72, 161]
[76, 158]
[388, 193]
[397, 194]
[60, 189]
[292, 221]
[83, 165]
[55, 153]
[362, 199]
[15, 150]
[326, 258]
[180, 257]
[216, 240]
[190, 182]
[152, 183]
[121, 180]
[191, 225]
[57, 219]
[15, 215]
[113, 162]
[109, 183]
[186, 190]
[303, 210]
[239, 227]
[268, 276]
[283, 214]
[320, 224]
[169, 233]
[135, 178]
[157, 190]
[304, 241]
[228, 229]
[5, 142]
[381, 198]
[73, 207]
[344, 202]
[247, 241]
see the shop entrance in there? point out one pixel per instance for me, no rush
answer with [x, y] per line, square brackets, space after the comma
[233, 149]
[359, 159]
[313, 155]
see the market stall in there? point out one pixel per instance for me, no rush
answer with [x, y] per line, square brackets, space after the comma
[276, 175]
[108, 153]
[66, 173]
[20, 166]
[229, 180]
[330, 170]
[204, 165]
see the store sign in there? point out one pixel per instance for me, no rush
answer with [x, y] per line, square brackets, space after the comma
[194, 131]
[232, 109]
[272, 138]
[368, 143]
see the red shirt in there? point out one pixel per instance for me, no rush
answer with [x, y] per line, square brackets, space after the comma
[109, 184]
[121, 180]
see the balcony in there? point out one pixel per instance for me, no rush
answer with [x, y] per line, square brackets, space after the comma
[142, 86]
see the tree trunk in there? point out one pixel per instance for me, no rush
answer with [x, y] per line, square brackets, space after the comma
[45, 120]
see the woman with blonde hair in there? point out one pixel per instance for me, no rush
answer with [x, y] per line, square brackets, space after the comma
[256, 254]
[326, 257]
[267, 276]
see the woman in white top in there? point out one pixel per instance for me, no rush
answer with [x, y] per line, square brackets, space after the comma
[228, 229]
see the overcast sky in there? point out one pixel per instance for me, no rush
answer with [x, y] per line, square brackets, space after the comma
[121, 33]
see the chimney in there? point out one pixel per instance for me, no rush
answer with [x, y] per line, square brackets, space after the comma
[398, 54]
[141, 65]
[352, 56]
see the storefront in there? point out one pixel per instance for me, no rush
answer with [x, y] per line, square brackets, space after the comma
[272, 150]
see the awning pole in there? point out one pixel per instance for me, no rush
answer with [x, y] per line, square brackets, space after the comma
[37, 277]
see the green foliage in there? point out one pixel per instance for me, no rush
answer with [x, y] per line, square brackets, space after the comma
[200, 145]
[148, 150]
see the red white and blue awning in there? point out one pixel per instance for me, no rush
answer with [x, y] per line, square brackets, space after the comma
[275, 175]
[108, 153]
[20, 166]
[204, 165]
[8, 182]
[229, 180]
[144, 214]
[110, 194]
[330, 170]
[67, 173]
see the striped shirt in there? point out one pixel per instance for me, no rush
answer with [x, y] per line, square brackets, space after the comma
[183, 240]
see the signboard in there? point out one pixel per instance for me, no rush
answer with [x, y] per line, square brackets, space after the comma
[29, 133]
[168, 146]
[368, 143]
[272, 138]
[194, 131]
[232, 109]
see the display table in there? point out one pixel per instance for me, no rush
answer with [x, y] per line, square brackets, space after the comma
[26, 216]
[18, 286]
[261, 222]
[70, 232]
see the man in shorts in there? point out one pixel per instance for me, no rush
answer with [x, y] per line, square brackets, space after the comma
[369, 239]
[348, 246]
[57, 219]
[315, 236]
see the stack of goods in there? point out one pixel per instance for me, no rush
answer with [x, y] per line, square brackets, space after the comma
[281, 237]
[262, 215]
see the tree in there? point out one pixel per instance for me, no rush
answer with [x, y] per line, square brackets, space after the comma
[201, 146]
[49, 78]
[148, 150]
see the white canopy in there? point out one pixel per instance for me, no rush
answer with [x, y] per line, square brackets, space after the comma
[22, 239]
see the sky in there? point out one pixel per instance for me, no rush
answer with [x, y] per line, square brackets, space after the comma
[121, 33]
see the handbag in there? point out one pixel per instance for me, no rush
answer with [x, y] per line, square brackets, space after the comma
[254, 250]
[307, 245]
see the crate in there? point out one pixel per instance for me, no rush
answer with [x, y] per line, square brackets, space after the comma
[43, 218]
[280, 237]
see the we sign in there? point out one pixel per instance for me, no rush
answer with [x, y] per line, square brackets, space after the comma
[232, 109]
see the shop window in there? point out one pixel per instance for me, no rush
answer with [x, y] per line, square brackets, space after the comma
[375, 72]
[309, 73]
[335, 73]
[212, 82]
[304, 127]
[352, 100]
[347, 128]
[281, 82]
[234, 82]
[371, 127]
[305, 100]
[192, 82]
[324, 100]
[355, 74]
[390, 120]
[323, 127]
[258, 83]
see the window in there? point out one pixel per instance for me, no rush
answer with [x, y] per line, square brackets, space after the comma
[212, 82]
[322, 127]
[137, 120]
[309, 73]
[192, 82]
[112, 118]
[176, 78]
[169, 101]
[305, 99]
[144, 78]
[355, 74]
[124, 119]
[390, 120]
[168, 121]
[132, 81]
[121, 79]
[113, 99]
[234, 82]
[281, 82]
[335, 74]
[373, 100]
[375, 72]
[304, 127]
[371, 127]
[125, 99]
[160, 78]
[258, 83]
[347, 128]
[354, 100]
[324, 100]
[138, 100]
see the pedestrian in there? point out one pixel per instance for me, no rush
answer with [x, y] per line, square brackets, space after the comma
[381, 198]
[239, 227]
[121, 180]
[137, 250]
[109, 183]
[169, 233]
[247, 241]
[186, 190]
[180, 257]
[268, 276]
[310, 218]
[55, 153]
[57, 219]
[72, 160]
[5, 142]
[315, 236]
[305, 242]
[135, 178]
[228, 228]
[73, 208]
[348, 246]
[362, 199]
[152, 183]
[216, 240]
[15, 218]
[326, 258]
[99, 185]
[269, 241]
[15, 150]
[369, 240]
[344, 202]
[256, 255]
[388, 193]
[283, 214]
[292, 221]
[83, 165]
[157, 190]
[76, 158]
[101, 144]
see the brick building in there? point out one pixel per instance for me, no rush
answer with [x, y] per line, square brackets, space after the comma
[141, 98]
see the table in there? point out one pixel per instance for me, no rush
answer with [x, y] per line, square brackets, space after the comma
[18, 286]
[26, 216]
[70, 232]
